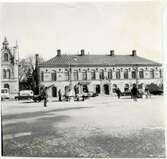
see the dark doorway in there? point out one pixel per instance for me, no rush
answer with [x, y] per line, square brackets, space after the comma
[106, 89]
[98, 89]
[54, 92]
[85, 88]
[66, 88]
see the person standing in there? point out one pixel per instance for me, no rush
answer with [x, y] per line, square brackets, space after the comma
[59, 93]
[118, 92]
[134, 92]
[45, 96]
[147, 92]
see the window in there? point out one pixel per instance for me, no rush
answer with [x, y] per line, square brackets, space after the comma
[42, 76]
[6, 86]
[84, 75]
[114, 88]
[140, 86]
[126, 88]
[118, 75]
[4, 74]
[141, 73]
[101, 74]
[66, 76]
[110, 74]
[151, 73]
[8, 74]
[93, 75]
[75, 75]
[54, 76]
[133, 74]
[126, 74]
[5, 57]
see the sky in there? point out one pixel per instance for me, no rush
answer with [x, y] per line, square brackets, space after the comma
[97, 27]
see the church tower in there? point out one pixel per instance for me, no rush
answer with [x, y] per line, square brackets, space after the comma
[9, 68]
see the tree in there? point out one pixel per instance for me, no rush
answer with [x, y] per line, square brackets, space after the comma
[27, 73]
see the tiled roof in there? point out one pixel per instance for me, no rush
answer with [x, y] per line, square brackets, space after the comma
[97, 60]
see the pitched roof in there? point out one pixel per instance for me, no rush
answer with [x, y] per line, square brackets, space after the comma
[97, 60]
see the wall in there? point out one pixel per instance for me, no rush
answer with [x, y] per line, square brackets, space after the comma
[60, 83]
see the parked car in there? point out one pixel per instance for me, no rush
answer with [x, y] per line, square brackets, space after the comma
[4, 93]
[128, 93]
[92, 94]
[38, 98]
[80, 97]
[154, 89]
[25, 94]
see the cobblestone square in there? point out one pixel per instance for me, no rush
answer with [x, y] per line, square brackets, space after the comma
[102, 126]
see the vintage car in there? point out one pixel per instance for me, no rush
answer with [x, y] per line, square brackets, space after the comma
[24, 95]
[154, 89]
[4, 93]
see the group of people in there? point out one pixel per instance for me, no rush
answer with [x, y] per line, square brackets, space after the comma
[134, 92]
[44, 94]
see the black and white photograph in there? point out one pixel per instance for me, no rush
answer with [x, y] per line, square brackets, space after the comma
[82, 79]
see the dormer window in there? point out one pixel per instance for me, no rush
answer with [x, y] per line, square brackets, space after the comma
[6, 58]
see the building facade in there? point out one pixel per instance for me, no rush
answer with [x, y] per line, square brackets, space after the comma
[98, 73]
[9, 68]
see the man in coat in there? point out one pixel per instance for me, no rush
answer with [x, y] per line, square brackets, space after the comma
[59, 93]
[45, 96]
[134, 92]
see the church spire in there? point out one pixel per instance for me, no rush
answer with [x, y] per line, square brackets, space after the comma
[5, 42]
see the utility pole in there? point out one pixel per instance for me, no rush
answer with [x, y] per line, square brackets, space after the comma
[70, 75]
[36, 74]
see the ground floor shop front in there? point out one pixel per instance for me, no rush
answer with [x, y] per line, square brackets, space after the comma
[98, 87]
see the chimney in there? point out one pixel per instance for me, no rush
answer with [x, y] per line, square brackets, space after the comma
[82, 52]
[134, 53]
[58, 52]
[111, 52]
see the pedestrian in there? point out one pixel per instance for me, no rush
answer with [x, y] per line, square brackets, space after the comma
[118, 92]
[59, 93]
[71, 95]
[147, 92]
[134, 92]
[45, 96]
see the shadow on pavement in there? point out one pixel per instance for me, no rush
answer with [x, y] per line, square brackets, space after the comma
[39, 113]
[40, 126]
[35, 144]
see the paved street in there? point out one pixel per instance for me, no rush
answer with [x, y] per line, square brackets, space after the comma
[98, 127]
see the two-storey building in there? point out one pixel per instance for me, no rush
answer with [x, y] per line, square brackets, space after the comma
[98, 73]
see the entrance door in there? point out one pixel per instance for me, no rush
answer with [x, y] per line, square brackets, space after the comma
[97, 89]
[85, 88]
[106, 89]
[54, 92]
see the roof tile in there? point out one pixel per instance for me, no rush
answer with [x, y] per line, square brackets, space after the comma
[97, 60]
